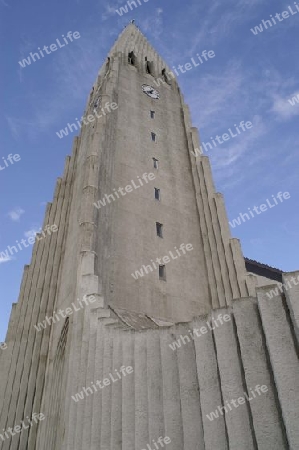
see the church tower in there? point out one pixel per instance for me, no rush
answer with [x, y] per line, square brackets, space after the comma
[148, 134]
[142, 257]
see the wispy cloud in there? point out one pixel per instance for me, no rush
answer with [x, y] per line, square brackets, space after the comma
[4, 259]
[72, 72]
[153, 23]
[110, 9]
[15, 214]
[219, 19]
[223, 97]
[239, 145]
[218, 92]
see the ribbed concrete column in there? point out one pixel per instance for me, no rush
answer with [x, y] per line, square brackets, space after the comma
[196, 167]
[171, 392]
[141, 394]
[239, 265]
[266, 417]
[284, 361]
[45, 299]
[107, 392]
[6, 358]
[155, 386]
[204, 173]
[237, 418]
[222, 246]
[189, 394]
[97, 401]
[292, 296]
[209, 386]
[18, 388]
[226, 236]
[128, 393]
[90, 377]
[74, 384]
[116, 403]
[225, 292]
[47, 308]
[14, 322]
[83, 378]
[5, 355]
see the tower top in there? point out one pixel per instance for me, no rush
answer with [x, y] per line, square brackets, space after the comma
[131, 39]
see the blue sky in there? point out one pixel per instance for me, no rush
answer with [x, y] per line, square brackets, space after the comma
[251, 78]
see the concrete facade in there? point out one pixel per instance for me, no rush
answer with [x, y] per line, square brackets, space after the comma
[132, 322]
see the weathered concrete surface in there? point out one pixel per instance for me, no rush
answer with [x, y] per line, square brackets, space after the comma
[173, 390]
[94, 252]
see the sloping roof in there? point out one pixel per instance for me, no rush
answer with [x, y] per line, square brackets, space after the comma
[263, 270]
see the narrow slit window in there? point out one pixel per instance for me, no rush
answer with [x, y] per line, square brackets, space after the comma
[155, 163]
[149, 66]
[165, 77]
[132, 58]
[159, 228]
[154, 137]
[157, 194]
[162, 273]
[152, 114]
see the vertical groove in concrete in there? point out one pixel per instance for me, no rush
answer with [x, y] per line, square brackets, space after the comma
[284, 361]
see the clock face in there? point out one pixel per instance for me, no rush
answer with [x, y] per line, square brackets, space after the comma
[150, 91]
